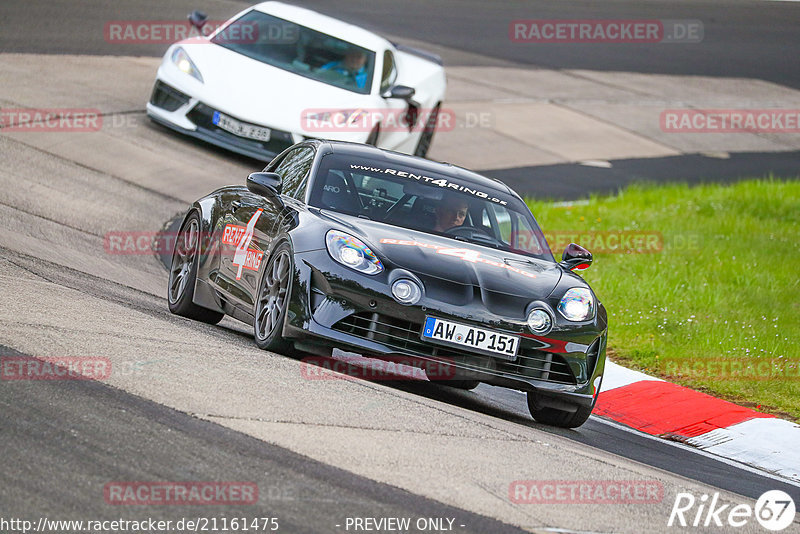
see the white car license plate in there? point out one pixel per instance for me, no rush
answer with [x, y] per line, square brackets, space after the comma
[240, 128]
[501, 345]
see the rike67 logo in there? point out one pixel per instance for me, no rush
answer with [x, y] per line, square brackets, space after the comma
[774, 510]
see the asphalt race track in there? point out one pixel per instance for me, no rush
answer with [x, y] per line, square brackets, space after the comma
[189, 402]
[749, 39]
[741, 40]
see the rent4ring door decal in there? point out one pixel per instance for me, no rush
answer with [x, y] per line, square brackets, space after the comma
[241, 237]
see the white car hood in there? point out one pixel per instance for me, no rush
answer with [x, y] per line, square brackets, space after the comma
[256, 92]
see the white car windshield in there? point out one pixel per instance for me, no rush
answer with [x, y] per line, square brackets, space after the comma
[301, 50]
[428, 202]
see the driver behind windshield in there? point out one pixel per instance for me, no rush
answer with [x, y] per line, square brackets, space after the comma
[450, 213]
[353, 66]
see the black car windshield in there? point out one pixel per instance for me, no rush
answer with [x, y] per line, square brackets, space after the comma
[401, 195]
[301, 50]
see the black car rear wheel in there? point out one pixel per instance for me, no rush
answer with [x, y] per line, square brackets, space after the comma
[183, 274]
[272, 302]
[556, 417]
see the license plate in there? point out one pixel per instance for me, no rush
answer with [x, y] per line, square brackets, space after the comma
[240, 128]
[479, 339]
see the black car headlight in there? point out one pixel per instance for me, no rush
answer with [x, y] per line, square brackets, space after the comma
[406, 291]
[539, 321]
[352, 252]
[577, 304]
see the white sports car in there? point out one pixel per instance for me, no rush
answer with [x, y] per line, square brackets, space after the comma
[276, 74]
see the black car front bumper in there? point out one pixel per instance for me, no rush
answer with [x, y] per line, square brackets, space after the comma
[356, 312]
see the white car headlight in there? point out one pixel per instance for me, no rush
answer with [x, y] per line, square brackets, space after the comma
[185, 64]
[577, 304]
[352, 252]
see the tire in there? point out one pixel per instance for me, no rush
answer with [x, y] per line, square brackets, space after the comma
[183, 274]
[556, 417]
[459, 384]
[425, 140]
[272, 301]
[457, 380]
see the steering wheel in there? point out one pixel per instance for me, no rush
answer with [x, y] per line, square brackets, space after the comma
[465, 231]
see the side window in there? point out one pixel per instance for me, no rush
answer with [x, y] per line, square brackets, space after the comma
[515, 231]
[293, 170]
[506, 225]
[389, 74]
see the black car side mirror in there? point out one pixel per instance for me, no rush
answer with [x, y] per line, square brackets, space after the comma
[266, 184]
[198, 19]
[401, 91]
[576, 257]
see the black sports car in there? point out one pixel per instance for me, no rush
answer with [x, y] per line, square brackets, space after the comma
[388, 255]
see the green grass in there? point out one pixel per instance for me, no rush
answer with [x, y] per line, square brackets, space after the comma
[723, 288]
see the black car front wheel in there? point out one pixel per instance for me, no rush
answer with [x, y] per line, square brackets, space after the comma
[183, 274]
[272, 301]
[459, 384]
[557, 417]
[454, 378]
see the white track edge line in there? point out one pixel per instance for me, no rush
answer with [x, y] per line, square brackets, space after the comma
[683, 446]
